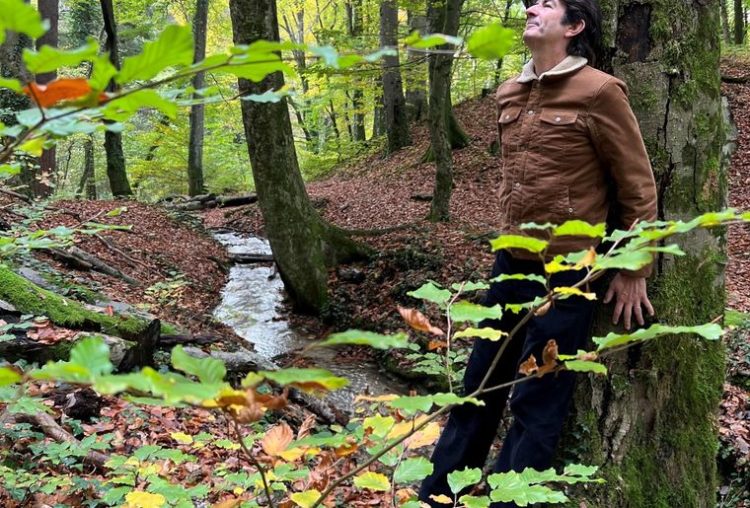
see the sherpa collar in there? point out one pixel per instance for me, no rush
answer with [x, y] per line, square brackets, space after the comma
[569, 64]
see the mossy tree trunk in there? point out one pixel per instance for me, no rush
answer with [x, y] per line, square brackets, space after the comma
[197, 111]
[415, 73]
[116, 172]
[651, 424]
[303, 244]
[49, 10]
[443, 17]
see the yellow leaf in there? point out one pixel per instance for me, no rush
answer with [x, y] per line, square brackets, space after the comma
[425, 437]
[400, 429]
[277, 439]
[292, 454]
[34, 146]
[227, 397]
[442, 499]
[305, 499]
[140, 499]
[182, 438]
[588, 259]
[569, 291]
[238, 491]
[380, 398]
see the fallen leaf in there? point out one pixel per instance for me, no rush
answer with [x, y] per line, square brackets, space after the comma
[277, 439]
[419, 321]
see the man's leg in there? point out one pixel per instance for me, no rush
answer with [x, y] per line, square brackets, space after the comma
[540, 406]
[470, 430]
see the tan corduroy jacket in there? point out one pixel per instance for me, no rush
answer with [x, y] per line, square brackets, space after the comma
[570, 144]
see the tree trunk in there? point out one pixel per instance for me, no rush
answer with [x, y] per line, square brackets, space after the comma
[88, 178]
[354, 27]
[378, 115]
[739, 22]
[725, 22]
[443, 16]
[302, 243]
[47, 162]
[297, 35]
[118, 177]
[397, 126]
[197, 111]
[651, 423]
[416, 76]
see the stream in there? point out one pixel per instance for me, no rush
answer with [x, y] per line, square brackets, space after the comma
[250, 305]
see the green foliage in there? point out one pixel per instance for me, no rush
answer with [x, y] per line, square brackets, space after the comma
[174, 47]
[207, 370]
[491, 42]
[467, 311]
[432, 293]
[50, 59]
[459, 480]
[424, 403]
[365, 338]
[707, 331]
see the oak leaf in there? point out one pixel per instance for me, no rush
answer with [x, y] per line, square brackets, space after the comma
[419, 321]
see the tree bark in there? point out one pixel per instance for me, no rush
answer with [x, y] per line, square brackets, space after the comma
[88, 178]
[47, 162]
[396, 124]
[739, 22]
[725, 22]
[301, 242]
[296, 34]
[443, 16]
[116, 172]
[650, 423]
[197, 111]
[354, 27]
[416, 75]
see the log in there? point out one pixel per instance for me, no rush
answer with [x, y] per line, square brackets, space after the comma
[52, 429]
[173, 340]
[250, 258]
[82, 260]
[228, 201]
[23, 348]
[739, 80]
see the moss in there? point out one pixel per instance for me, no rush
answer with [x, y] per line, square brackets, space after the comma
[30, 298]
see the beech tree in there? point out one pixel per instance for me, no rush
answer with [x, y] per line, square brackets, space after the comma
[303, 244]
[116, 172]
[651, 423]
[397, 126]
[197, 111]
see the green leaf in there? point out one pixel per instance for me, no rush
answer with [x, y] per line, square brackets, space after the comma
[520, 276]
[365, 338]
[379, 424]
[424, 403]
[48, 58]
[307, 379]
[474, 501]
[10, 169]
[467, 311]
[518, 242]
[174, 46]
[103, 71]
[373, 481]
[122, 108]
[254, 65]
[523, 488]
[208, 370]
[413, 470]
[708, 331]
[482, 333]
[415, 40]
[580, 470]
[491, 42]
[586, 366]
[18, 16]
[580, 228]
[469, 286]
[431, 293]
[116, 212]
[8, 376]
[305, 499]
[29, 405]
[327, 54]
[110, 385]
[93, 354]
[459, 480]
[623, 260]
[12, 84]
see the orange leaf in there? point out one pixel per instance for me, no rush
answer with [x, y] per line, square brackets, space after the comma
[541, 311]
[528, 367]
[588, 259]
[549, 358]
[345, 450]
[436, 344]
[277, 439]
[59, 90]
[419, 321]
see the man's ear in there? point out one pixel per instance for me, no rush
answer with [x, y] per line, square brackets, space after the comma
[575, 28]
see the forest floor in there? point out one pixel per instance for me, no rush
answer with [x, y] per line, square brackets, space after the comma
[179, 272]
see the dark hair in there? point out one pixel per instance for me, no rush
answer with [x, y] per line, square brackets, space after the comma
[588, 43]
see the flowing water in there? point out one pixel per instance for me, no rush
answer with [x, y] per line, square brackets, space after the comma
[250, 305]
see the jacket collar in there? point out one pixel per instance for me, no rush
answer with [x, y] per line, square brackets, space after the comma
[568, 65]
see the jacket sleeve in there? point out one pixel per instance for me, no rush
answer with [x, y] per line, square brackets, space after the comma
[619, 144]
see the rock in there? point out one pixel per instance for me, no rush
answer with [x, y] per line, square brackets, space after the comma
[352, 275]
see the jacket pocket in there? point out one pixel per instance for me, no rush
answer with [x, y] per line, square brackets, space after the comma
[558, 128]
[509, 125]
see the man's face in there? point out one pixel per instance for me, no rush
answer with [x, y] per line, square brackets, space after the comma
[544, 23]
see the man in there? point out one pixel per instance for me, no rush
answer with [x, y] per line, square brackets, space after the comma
[570, 142]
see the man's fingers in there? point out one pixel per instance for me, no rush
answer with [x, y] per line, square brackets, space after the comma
[648, 306]
[608, 296]
[638, 314]
[617, 312]
[626, 315]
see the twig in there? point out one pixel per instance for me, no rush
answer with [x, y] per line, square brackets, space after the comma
[253, 461]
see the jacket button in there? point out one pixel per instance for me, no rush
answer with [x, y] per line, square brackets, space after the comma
[531, 111]
[518, 185]
[570, 210]
[557, 119]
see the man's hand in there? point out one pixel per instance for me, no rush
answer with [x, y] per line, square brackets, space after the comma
[630, 293]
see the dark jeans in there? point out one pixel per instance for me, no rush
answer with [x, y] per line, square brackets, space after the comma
[539, 406]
